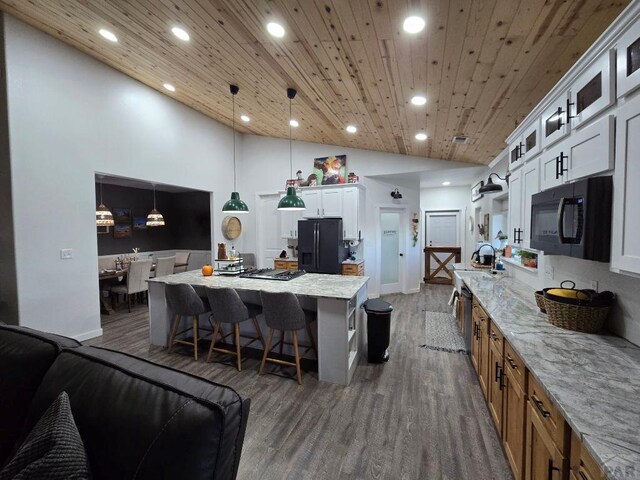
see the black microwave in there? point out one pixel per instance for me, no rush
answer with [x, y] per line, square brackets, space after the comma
[574, 219]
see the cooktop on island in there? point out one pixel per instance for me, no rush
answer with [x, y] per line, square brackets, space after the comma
[273, 274]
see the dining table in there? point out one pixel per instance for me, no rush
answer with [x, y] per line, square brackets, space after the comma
[121, 274]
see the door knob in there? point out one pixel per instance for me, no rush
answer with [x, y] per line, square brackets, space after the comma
[402, 254]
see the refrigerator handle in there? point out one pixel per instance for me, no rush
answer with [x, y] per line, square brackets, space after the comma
[317, 247]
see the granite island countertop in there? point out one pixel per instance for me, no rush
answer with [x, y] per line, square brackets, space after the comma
[317, 285]
[594, 380]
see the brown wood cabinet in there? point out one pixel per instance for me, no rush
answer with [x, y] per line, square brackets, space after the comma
[475, 343]
[547, 444]
[496, 367]
[514, 411]
[353, 269]
[483, 350]
[582, 464]
[285, 264]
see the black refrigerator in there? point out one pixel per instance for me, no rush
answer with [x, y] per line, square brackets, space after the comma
[321, 247]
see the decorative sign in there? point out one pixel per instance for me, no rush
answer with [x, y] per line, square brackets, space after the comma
[475, 194]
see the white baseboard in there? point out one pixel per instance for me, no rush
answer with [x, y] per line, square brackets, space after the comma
[373, 295]
[87, 335]
[413, 290]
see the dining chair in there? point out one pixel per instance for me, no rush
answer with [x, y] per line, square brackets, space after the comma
[164, 266]
[137, 277]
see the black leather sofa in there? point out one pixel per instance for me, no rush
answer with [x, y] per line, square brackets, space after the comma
[136, 419]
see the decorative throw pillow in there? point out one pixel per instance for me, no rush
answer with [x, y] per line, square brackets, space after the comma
[53, 450]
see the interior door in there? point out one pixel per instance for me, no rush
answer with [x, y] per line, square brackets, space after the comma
[269, 239]
[442, 230]
[391, 254]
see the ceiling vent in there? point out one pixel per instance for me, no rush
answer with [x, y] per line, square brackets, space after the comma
[460, 140]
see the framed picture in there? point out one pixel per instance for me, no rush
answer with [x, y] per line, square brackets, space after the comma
[121, 230]
[475, 194]
[139, 223]
[122, 215]
[331, 170]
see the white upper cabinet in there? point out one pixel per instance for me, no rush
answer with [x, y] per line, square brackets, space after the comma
[350, 213]
[531, 140]
[331, 202]
[515, 208]
[625, 247]
[289, 222]
[553, 121]
[554, 166]
[591, 149]
[593, 90]
[628, 64]
[313, 203]
[530, 186]
[516, 153]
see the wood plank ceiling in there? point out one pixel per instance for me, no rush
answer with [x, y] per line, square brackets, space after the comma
[482, 64]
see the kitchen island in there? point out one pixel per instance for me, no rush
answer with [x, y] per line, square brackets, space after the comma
[337, 298]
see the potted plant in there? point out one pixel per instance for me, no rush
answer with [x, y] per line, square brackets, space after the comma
[528, 259]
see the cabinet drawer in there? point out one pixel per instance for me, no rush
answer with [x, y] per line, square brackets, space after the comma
[496, 338]
[280, 264]
[514, 364]
[583, 466]
[549, 416]
[292, 265]
[353, 269]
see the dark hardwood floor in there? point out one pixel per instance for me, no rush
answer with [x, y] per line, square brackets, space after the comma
[420, 416]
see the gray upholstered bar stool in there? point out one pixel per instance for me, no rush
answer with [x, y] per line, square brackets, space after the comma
[228, 307]
[282, 311]
[183, 301]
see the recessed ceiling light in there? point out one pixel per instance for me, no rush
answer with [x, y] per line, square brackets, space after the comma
[351, 129]
[108, 35]
[419, 100]
[244, 118]
[180, 33]
[413, 24]
[446, 183]
[293, 123]
[169, 87]
[421, 136]
[275, 29]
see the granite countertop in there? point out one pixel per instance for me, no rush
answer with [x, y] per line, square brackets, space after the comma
[594, 380]
[317, 285]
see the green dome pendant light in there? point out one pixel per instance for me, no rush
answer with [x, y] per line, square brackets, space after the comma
[291, 202]
[234, 205]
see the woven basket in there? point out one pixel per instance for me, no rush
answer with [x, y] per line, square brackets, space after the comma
[540, 301]
[576, 317]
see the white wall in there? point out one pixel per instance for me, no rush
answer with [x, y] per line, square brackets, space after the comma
[69, 117]
[265, 168]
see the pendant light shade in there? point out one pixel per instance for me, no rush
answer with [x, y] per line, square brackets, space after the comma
[104, 217]
[291, 202]
[155, 218]
[491, 187]
[234, 205]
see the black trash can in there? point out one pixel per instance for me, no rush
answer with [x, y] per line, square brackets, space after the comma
[378, 329]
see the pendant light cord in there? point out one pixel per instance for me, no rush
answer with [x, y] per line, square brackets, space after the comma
[233, 122]
[290, 142]
[100, 193]
[154, 196]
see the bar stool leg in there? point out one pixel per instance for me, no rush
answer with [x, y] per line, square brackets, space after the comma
[174, 331]
[313, 342]
[216, 330]
[258, 330]
[238, 354]
[266, 351]
[281, 341]
[195, 337]
[295, 349]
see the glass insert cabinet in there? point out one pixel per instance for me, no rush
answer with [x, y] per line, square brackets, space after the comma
[628, 60]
